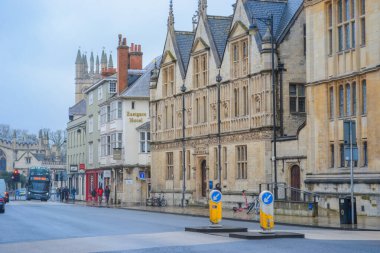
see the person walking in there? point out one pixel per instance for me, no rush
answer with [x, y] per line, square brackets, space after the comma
[93, 195]
[73, 193]
[107, 193]
[58, 194]
[100, 195]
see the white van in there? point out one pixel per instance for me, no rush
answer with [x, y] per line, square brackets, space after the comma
[3, 187]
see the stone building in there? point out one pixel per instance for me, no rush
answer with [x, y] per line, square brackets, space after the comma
[76, 148]
[343, 73]
[228, 46]
[16, 153]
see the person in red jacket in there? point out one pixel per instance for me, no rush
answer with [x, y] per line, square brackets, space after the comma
[100, 194]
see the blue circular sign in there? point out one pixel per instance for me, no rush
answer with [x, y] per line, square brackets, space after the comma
[216, 196]
[267, 198]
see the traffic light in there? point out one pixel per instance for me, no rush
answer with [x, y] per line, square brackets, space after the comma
[16, 176]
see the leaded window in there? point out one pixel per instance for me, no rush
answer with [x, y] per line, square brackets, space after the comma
[297, 98]
[241, 160]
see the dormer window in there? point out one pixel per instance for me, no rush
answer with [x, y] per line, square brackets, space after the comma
[168, 81]
[240, 54]
[112, 88]
[200, 77]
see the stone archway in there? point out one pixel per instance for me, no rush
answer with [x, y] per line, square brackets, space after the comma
[3, 161]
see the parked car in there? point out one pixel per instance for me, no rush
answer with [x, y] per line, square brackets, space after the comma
[3, 191]
[2, 204]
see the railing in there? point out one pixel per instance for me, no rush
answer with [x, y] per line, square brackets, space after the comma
[288, 193]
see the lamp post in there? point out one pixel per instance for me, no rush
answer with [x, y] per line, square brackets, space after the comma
[268, 21]
[218, 81]
[183, 89]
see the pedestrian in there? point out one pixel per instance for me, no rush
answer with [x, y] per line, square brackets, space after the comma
[100, 194]
[107, 192]
[58, 194]
[62, 194]
[67, 193]
[73, 193]
[93, 195]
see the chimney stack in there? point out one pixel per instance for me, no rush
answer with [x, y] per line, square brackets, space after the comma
[122, 64]
[135, 61]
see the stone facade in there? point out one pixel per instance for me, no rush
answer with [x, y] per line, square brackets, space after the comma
[225, 45]
[343, 57]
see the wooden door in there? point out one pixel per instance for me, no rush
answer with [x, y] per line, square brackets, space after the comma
[295, 183]
[204, 178]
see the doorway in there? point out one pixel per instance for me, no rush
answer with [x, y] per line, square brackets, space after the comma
[295, 183]
[204, 178]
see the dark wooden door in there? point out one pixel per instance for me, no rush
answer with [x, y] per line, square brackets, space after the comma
[295, 183]
[204, 178]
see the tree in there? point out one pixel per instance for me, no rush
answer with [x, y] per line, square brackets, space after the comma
[58, 139]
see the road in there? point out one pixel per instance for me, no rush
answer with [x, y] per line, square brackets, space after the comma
[55, 227]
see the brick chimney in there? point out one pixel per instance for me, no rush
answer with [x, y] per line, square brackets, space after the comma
[122, 64]
[135, 57]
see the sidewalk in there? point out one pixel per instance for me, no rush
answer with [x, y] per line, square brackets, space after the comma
[332, 221]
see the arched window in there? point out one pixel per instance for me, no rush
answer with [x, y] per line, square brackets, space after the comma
[245, 101]
[341, 101]
[348, 99]
[236, 98]
[364, 97]
[331, 102]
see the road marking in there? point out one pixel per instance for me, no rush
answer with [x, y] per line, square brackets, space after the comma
[115, 243]
[336, 235]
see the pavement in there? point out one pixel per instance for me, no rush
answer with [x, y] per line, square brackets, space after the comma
[39, 227]
[331, 220]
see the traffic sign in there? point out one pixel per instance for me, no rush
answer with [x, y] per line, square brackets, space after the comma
[267, 198]
[142, 175]
[216, 196]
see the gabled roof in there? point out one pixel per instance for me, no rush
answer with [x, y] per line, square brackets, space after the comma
[184, 43]
[78, 109]
[140, 88]
[283, 13]
[219, 27]
[144, 127]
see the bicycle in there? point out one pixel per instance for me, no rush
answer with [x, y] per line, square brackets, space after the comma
[161, 200]
[254, 205]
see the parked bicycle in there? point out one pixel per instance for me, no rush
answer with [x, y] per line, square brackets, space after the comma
[253, 206]
[157, 201]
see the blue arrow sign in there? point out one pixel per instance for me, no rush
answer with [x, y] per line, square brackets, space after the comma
[142, 175]
[267, 198]
[216, 196]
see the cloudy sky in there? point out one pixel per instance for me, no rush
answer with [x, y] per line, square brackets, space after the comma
[39, 40]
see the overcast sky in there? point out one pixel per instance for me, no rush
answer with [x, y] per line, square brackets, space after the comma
[39, 40]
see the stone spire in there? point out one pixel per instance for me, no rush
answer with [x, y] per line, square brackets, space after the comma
[267, 37]
[202, 7]
[79, 59]
[110, 62]
[92, 63]
[85, 65]
[78, 65]
[97, 64]
[103, 60]
[171, 15]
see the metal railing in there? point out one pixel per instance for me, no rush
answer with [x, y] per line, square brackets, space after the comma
[288, 193]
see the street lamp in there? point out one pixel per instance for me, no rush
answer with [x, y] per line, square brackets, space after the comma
[218, 81]
[253, 29]
[183, 90]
